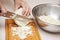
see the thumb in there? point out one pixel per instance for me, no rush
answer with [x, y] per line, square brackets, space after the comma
[16, 7]
[2, 9]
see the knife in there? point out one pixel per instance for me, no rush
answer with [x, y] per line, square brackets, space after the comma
[12, 15]
[21, 19]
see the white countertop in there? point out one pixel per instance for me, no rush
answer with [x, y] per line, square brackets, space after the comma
[44, 35]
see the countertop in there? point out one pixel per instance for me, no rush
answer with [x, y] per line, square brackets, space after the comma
[31, 3]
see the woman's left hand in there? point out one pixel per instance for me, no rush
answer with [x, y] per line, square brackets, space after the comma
[2, 9]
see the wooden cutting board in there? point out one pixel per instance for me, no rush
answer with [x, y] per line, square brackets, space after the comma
[10, 23]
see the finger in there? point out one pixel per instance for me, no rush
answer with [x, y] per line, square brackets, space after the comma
[23, 12]
[3, 10]
[28, 12]
[16, 6]
[2, 14]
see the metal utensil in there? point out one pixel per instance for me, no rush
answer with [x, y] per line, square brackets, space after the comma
[47, 10]
[16, 17]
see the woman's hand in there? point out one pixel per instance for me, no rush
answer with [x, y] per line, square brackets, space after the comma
[20, 3]
[2, 9]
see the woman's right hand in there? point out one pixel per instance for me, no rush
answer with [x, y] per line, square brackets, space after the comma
[2, 9]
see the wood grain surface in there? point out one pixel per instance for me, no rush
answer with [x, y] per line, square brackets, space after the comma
[10, 23]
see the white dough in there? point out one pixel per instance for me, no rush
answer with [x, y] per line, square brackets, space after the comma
[21, 21]
[50, 20]
[19, 11]
[22, 32]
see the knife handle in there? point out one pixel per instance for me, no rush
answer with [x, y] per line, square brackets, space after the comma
[8, 14]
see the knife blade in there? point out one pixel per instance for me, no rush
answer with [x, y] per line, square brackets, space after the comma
[20, 20]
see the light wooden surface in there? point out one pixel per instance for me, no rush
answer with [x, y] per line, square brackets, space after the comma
[10, 23]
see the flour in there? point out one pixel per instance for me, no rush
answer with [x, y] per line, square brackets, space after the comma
[22, 32]
[20, 21]
[19, 11]
[50, 20]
